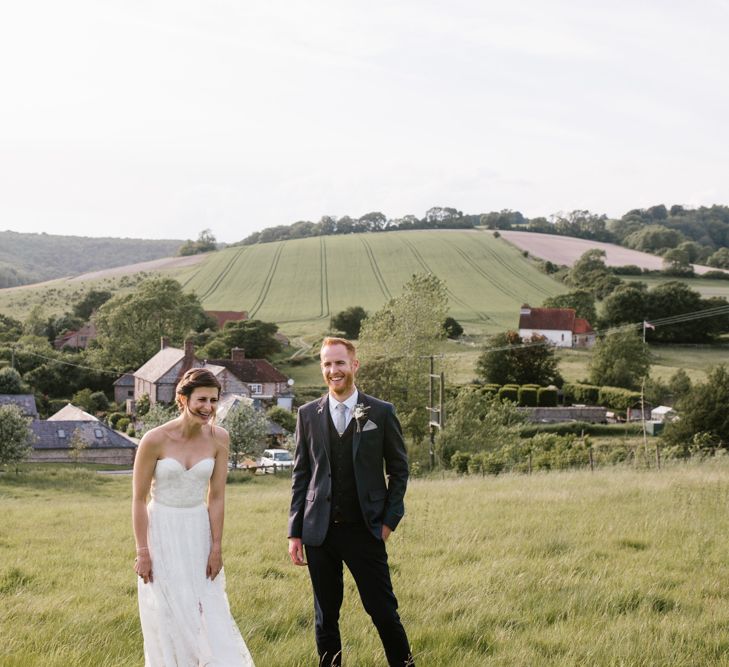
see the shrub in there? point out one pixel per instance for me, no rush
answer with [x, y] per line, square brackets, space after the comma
[617, 398]
[627, 270]
[114, 418]
[122, 424]
[509, 393]
[575, 392]
[527, 396]
[715, 275]
[459, 462]
[490, 388]
[547, 397]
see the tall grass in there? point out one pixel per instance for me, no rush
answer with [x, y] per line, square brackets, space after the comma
[619, 567]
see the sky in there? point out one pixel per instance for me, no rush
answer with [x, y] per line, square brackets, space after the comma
[161, 118]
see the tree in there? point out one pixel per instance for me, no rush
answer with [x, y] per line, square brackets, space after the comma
[205, 243]
[628, 303]
[507, 357]
[349, 321]
[93, 300]
[704, 409]
[679, 384]
[16, 436]
[478, 421]
[10, 381]
[282, 417]
[129, 326]
[155, 416]
[676, 262]
[394, 344]
[247, 428]
[10, 329]
[620, 359]
[581, 301]
[98, 402]
[452, 328]
[590, 272]
[719, 259]
[256, 337]
[77, 446]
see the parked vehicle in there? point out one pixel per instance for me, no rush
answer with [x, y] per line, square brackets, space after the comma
[276, 459]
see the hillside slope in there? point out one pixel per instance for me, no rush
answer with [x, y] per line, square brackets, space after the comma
[300, 284]
[29, 258]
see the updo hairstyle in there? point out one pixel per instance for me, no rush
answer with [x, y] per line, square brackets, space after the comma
[191, 380]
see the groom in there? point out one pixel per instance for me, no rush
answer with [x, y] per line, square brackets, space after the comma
[342, 507]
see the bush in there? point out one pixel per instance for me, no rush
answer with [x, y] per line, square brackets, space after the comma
[114, 418]
[490, 388]
[56, 404]
[617, 398]
[547, 397]
[130, 430]
[509, 393]
[575, 392]
[122, 424]
[459, 462]
[527, 396]
[627, 270]
[715, 275]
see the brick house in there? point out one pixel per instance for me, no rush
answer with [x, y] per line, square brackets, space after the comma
[559, 326]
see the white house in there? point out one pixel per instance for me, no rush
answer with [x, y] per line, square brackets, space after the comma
[559, 326]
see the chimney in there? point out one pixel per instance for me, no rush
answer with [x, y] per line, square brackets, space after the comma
[525, 309]
[237, 354]
[164, 342]
[189, 349]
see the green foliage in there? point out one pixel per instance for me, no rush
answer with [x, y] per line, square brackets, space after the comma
[620, 359]
[394, 344]
[527, 396]
[283, 417]
[16, 437]
[478, 421]
[142, 405]
[617, 398]
[452, 328]
[508, 358]
[10, 381]
[703, 409]
[77, 446]
[509, 393]
[82, 399]
[255, 337]
[653, 238]
[589, 272]
[114, 418]
[547, 397]
[28, 258]
[582, 394]
[581, 300]
[349, 321]
[205, 243]
[130, 326]
[10, 329]
[98, 402]
[157, 415]
[247, 428]
[122, 424]
[558, 452]
[719, 259]
[92, 300]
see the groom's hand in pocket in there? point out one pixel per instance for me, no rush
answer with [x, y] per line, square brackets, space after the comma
[296, 551]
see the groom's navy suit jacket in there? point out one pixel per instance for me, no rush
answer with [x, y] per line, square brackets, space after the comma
[378, 439]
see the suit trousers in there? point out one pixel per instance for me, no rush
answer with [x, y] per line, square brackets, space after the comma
[366, 558]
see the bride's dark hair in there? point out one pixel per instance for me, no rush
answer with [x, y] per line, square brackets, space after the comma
[191, 380]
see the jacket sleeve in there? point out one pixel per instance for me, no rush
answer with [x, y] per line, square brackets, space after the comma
[300, 476]
[396, 469]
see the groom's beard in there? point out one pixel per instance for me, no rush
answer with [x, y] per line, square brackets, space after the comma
[343, 388]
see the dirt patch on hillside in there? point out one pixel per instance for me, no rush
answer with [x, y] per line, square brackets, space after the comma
[151, 265]
[567, 250]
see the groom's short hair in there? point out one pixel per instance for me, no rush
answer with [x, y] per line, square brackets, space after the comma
[333, 340]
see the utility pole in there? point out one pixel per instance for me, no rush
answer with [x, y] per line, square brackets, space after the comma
[435, 414]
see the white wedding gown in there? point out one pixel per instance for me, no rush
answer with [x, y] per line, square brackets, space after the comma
[185, 616]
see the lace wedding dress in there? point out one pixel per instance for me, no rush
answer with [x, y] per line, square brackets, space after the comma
[185, 616]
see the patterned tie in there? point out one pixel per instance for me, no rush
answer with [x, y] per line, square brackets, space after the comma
[339, 417]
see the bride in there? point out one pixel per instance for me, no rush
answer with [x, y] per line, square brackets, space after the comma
[183, 607]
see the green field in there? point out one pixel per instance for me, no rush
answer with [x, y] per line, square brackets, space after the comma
[619, 567]
[301, 284]
[707, 288]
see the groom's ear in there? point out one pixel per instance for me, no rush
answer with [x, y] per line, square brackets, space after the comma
[355, 365]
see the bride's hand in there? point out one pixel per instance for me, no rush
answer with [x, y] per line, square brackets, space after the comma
[215, 563]
[143, 566]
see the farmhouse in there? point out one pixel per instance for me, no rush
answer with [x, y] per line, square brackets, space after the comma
[71, 413]
[255, 378]
[76, 339]
[559, 326]
[124, 389]
[55, 440]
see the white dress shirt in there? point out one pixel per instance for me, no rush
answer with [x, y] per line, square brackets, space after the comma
[348, 407]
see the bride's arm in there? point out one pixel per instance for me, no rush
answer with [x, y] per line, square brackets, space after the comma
[144, 463]
[216, 501]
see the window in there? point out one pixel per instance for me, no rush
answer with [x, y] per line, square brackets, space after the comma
[256, 388]
[61, 433]
[98, 433]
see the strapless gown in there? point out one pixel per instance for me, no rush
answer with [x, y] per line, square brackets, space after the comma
[185, 617]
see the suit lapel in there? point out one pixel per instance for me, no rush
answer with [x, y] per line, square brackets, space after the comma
[361, 398]
[322, 421]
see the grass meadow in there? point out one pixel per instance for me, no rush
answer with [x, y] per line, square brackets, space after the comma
[618, 567]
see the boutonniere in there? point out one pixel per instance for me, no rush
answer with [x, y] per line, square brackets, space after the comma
[360, 412]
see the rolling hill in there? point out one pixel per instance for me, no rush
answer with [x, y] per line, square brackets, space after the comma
[300, 283]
